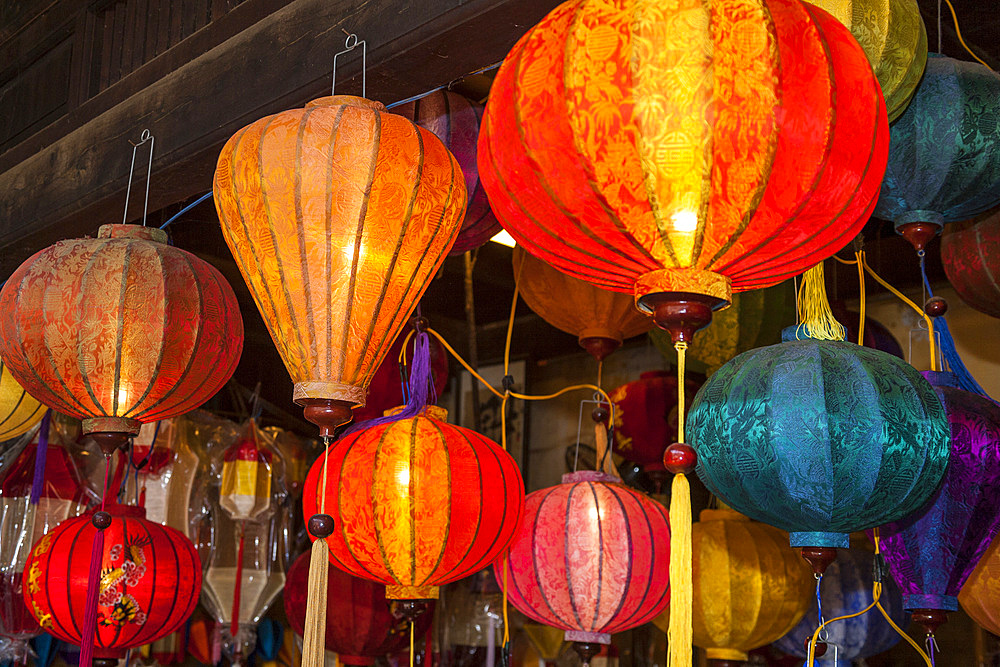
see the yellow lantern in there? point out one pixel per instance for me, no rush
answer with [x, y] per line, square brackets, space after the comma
[893, 36]
[980, 595]
[18, 410]
[750, 587]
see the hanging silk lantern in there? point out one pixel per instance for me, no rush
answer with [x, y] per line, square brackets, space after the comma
[417, 503]
[970, 253]
[455, 120]
[893, 36]
[119, 330]
[877, 336]
[944, 155]
[386, 389]
[591, 558]
[39, 488]
[932, 552]
[245, 492]
[754, 319]
[360, 626]
[338, 216]
[980, 596]
[820, 438]
[599, 318]
[150, 579]
[847, 589]
[645, 417]
[750, 587]
[18, 410]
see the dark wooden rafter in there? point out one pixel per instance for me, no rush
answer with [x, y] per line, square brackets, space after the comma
[75, 176]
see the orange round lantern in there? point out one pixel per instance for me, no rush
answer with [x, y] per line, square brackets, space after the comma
[599, 318]
[683, 152]
[417, 503]
[338, 216]
[120, 330]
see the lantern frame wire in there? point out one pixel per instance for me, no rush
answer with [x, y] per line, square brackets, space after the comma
[143, 138]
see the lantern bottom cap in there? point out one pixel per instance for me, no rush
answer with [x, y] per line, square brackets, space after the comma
[336, 391]
[819, 539]
[690, 281]
[912, 601]
[398, 592]
[111, 425]
[726, 654]
[588, 637]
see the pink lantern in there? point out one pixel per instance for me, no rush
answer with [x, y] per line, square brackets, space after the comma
[592, 558]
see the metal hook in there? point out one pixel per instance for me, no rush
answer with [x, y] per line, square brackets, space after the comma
[350, 44]
[143, 138]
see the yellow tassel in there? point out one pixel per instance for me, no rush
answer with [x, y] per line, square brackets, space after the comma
[314, 636]
[818, 321]
[679, 635]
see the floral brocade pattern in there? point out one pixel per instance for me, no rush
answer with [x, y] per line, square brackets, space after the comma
[932, 552]
[417, 502]
[120, 326]
[820, 437]
[18, 410]
[894, 38]
[971, 257]
[847, 589]
[592, 556]
[338, 216]
[576, 306]
[944, 154]
[742, 137]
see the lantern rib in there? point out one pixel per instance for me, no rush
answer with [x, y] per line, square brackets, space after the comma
[69, 578]
[554, 618]
[478, 565]
[119, 334]
[343, 520]
[375, 507]
[358, 237]
[328, 277]
[479, 515]
[269, 225]
[628, 577]
[411, 484]
[303, 259]
[91, 261]
[52, 398]
[13, 410]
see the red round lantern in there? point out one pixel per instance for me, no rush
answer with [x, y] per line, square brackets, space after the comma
[417, 503]
[646, 416]
[360, 625]
[455, 121]
[119, 330]
[592, 558]
[680, 153]
[150, 580]
[970, 253]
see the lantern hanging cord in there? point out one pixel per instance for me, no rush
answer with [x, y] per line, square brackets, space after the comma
[861, 293]
[187, 208]
[143, 138]
[878, 554]
[681, 348]
[958, 33]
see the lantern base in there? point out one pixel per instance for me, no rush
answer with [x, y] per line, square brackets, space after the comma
[411, 609]
[919, 233]
[819, 557]
[109, 441]
[327, 413]
[586, 650]
[681, 314]
[599, 347]
[929, 619]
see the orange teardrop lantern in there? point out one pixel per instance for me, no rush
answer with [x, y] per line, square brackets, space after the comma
[338, 216]
[599, 318]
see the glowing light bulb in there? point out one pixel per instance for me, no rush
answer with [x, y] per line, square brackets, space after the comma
[122, 399]
[403, 477]
[685, 221]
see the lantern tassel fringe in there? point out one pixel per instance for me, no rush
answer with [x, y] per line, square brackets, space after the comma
[679, 631]
[314, 635]
[817, 320]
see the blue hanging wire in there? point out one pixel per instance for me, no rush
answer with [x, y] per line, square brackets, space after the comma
[186, 209]
[948, 350]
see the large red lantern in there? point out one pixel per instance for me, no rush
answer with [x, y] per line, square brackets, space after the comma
[150, 580]
[360, 625]
[119, 330]
[592, 558]
[417, 503]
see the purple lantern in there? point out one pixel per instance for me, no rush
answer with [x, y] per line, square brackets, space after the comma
[932, 552]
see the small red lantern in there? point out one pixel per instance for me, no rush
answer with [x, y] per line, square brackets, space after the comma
[970, 253]
[150, 580]
[359, 623]
[592, 558]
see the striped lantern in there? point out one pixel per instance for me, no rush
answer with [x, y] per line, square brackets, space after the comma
[150, 581]
[592, 558]
[119, 330]
[455, 120]
[417, 503]
[338, 216]
[18, 410]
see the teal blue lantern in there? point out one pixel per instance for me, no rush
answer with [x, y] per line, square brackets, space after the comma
[944, 151]
[819, 438]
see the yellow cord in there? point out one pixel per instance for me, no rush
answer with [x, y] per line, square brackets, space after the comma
[861, 292]
[411, 643]
[506, 624]
[814, 307]
[902, 297]
[961, 41]
[680, 346]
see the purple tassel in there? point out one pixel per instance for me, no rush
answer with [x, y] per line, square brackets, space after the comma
[421, 387]
[40, 454]
[90, 609]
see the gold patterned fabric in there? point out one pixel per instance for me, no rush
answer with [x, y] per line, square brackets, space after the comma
[575, 306]
[338, 216]
[980, 596]
[18, 410]
[894, 38]
[750, 587]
